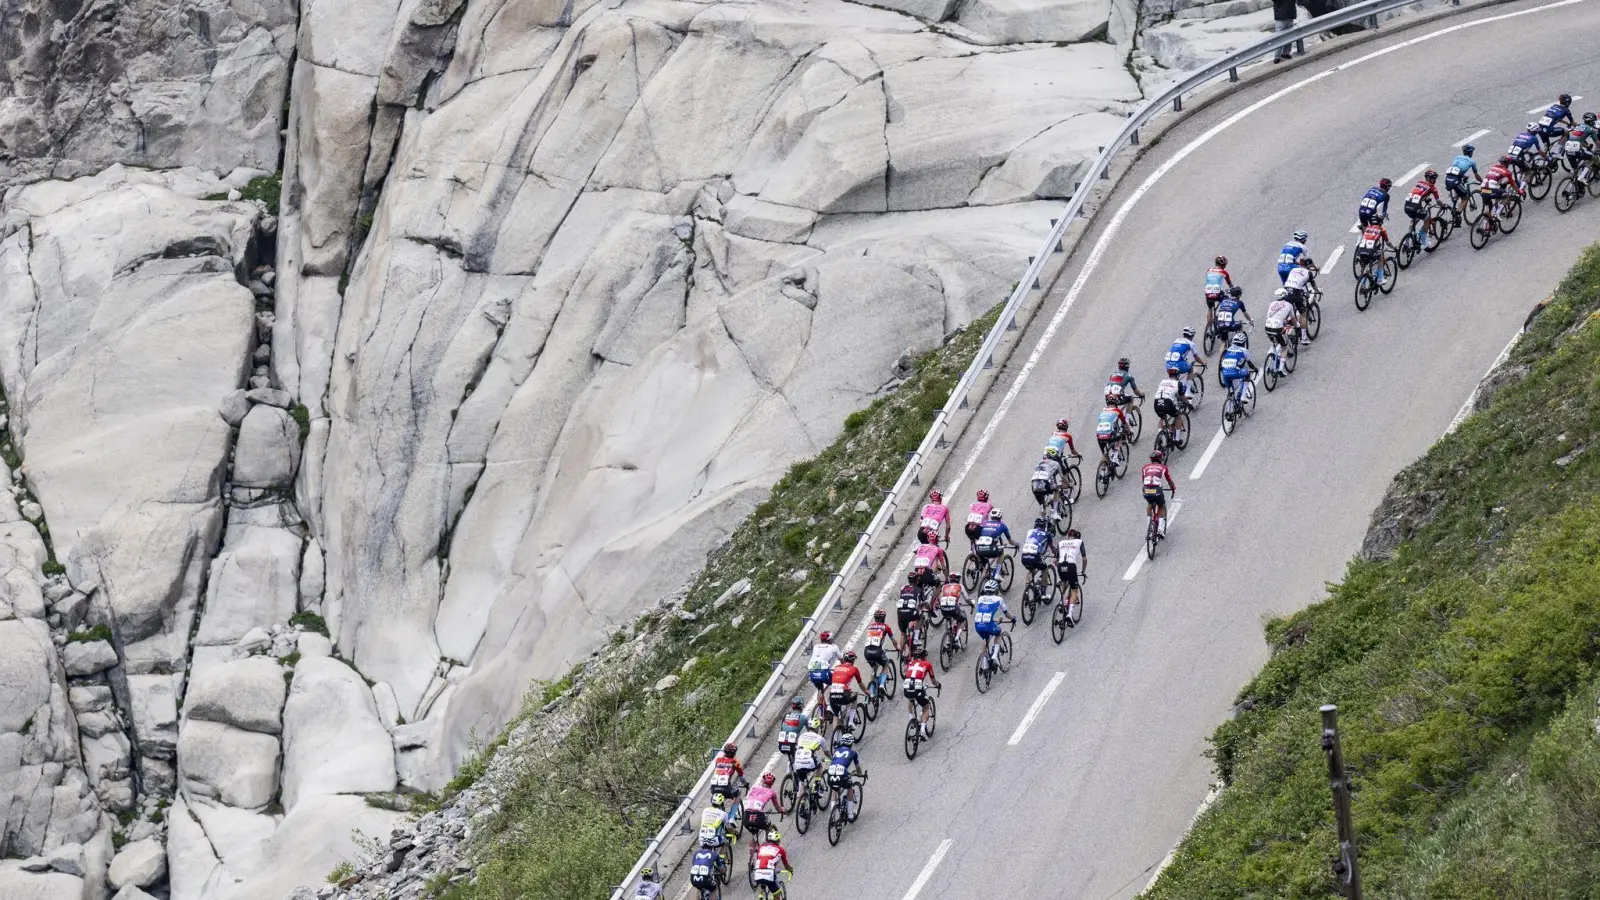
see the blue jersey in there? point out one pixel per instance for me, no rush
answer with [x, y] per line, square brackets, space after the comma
[1058, 442]
[1038, 543]
[1375, 200]
[1235, 363]
[703, 868]
[1460, 166]
[1553, 116]
[843, 756]
[1289, 256]
[1227, 312]
[1523, 143]
[1178, 356]
[994, 531]
[1216, 282]
[1107, 424]
[988, 613]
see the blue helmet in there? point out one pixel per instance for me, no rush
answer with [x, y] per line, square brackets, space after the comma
[1466, 149]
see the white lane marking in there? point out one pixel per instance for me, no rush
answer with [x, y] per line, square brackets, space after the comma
[1473, 136]
[1537, 109]
[927, 870]
[1205, 458]
[1173, 506]
[1466, 408]
[1356, 228]
[1033, 711]
[1211, 797]
[1406, 178]
[1332, 257]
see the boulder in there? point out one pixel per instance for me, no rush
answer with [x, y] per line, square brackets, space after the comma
[87, 657]
[254, 583]
[312, 645]
[67, 859]
[1018, 21]
[227, 764]
[132, 893]
[333, 741]
[139, 864]
[234, 407]
[317, 835]
[268, 449]
[153, 707]
[16, 884]
[244, 693]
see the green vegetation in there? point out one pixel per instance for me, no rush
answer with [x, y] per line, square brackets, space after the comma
[1465, 667]
[267, 189]
[309, 621]
[340, 872]
[572, 822]
[100, 632]
[51, 567]
[302, 417]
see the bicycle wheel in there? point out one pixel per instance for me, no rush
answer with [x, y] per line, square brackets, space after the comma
[1247, 403]
[1408, 249]
[983, 674]
[1512, 217]
[860, 720]
[1063, 515]
[1365, 291]
[1123, 455]
[786, 793]
[893, 681]
[1136, 422]
[725, 852]
[1441, 226]
[1209, 342]
[947, 650]
[1291, 353]
[1058, 622]
[1269, 372]
[1391, 273]
[1482, 229]
[836, 820]
[1355, 266]
[750, 864]
[1008, 573]
[1150, 536]
[1163, 440]
[969, 572]
[1004, 657]
[872, 702]
[1102, 480]
[1539, 183]
[933, 716]
[1183, 423]
[1074, 486]
[1567, 194]
[935, 616]
[1028, 595]
[1197, 392]
[913, 737]
[1230, 416]
[1313, 319]
[856, 799]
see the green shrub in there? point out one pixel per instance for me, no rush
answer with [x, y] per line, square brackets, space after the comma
[100, 632]
[310, 621]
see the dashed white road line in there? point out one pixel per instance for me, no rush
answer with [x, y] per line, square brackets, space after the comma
[1033, 711]
[1332, 258]
[1173, 507]
[1406, 178]
[1539, 109]
[1205, 458]
[1474, 136]
[927, 870]
[1356, 228]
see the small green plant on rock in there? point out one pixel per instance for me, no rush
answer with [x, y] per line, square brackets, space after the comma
[310, 621]
[101, 632]
[340, 872]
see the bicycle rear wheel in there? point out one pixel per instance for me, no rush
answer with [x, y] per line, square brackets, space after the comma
[969, 572]
[1029, 593]
[1313, 319]
[1163, 440]
[1391, 273]
[1183, 425]
[1004, 657]
[1269, 372]
[836, 820]
[947, 651]
[1123, 455]
[1008, 573]
[1058, 622]
[1407, 251]
[1291, 353]
[983, 674]
[1513, 216]
[1150, 536]
[1209, 342]
[1247, 403]
[1063, 515]
[872, 703]
[1567, 194]
[1539, 183]
[913, 737]
[802, 814]
[1230, 416]
[786, 794]
[1442, 225]
[1136, 422]
[1366, 289]
[1073, 488]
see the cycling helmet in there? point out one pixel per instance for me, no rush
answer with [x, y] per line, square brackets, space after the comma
[1222, 262]
[730, 749]
[1430, 176]
[1073, 533]
[994, 515]
[647, 874]
[1052, 453]
[1377, 218]
[983, 496]
[1188, 333]
[1041, 522]
[718, 800]
[1533, 126]
[1157, 456]
[849, 656]
[1306, 261]
[879, 615]
[1238, 340]
[992, 586]
[767, 779]
[911, 576]
[936, 497]
[1505, 160]
[1301, 236]
[1280, 293]
[1384, 184]
[846, 738]
[825, 637]
[773, 836]
[1565, 99]
[797, 703]
[1588, 118]
[918, 651]
[1172, 372]
[816, 723]
[1122, 364]
[1236, 292]
[1062, 424]
[1466, 150]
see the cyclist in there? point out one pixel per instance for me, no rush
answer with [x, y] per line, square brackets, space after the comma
[977, 514]
[879, 631]
[1290, 255]
[1171, 402]
[1558, 113]
[1281, 316]
[824, 656]
[1154, 475]
[1458, 179]
[1299, 284]
[1218, 281]
[1419, 205]
[771, 858]
[648, 889]
[935, 525]
[1374, 202]
[1047, 476]
[794, 722]
[1374, 245]
[918, 670]
[993, 539]
[755, 805]
[908, 609]
[1061, 440]
[1525, 151]
[1110, 429]
[716, 826]
[703, 871]
[1497, 182]
[1121, 384]
[1072, 562]
[1038, 546]
[727, 774]
[844, 675]
[1581, 141]
[1183, 357]
[1229, 312]
[844, 764]
[988, 615]
[928, 562]
[809, 750]
[1236, 365]
[952, 597]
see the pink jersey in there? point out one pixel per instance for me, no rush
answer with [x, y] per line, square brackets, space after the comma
[758, 798]
[928, 556]
[978, 512]
[934, 515]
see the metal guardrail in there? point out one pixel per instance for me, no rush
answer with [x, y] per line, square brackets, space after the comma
[831, 602]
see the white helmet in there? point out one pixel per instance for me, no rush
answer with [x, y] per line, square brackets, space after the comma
[1280, 293]
[1239, 339]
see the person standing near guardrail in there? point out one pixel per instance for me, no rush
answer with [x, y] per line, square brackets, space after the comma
[1283, 14]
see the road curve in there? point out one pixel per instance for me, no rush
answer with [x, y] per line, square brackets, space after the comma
[1109, 771]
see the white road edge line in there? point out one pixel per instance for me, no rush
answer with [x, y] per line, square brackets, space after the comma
[1406, 178]
[1356, 228]
[1174, 506]
[1332, 258]
[1474, 136]
[1211, 797]
[927, 870]
[1466, 408]
[1205, 458]
[1033, 711]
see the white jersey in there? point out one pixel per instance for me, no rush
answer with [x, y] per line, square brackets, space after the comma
[1168, 389]
[825, 656]
[1278, 313]
[1070, 552]
[1299, 277]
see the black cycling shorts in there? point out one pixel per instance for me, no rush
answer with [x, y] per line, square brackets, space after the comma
[1166, 408]
[1068, 573]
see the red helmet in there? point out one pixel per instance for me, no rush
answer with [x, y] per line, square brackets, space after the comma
[767, 779]
[730, 749]
[1384, 184]
[1061, 424]
[849, 656]
[983, 496]
[935, 496]
[1431, 175]
[1505, 160]
[825, 637]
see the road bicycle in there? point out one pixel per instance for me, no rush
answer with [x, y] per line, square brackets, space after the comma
[1067, 613]
[782, 893]
[1435, 223]
[1041, 587]
[914, 731]
[1540, 176]
[813, 797]
[715, 873]
[1368, 283]
[847, 808]
[1464, 207]
[1574, 186]
[1241, 329]
[1002, 569]
[1313, 312]
[998, 661]
[1152, 531]
[1113, 465]
[1241, 402]
[885, 682]
[1503, 216]
[954, 640]
[1058, 505]
[1281, 360]
[1167, 438]
[852, 718]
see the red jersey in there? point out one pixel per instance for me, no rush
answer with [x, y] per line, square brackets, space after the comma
[1498, 176]
[917, 671]
[878, 632]
[1216, 276]
[723, 771]
[770, 855]
[1154, 474]
[844, 673]
[1424, 190]
[1374, 236]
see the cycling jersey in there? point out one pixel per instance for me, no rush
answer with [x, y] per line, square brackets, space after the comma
[1578, 141]
[1155, 478]
[1455, 177]
[846, 674]
[916, 673]
[1423, 191]
[1553, 117]
[1062, 442]
[1373, 238]
[712, 821]
[1375, 200]
[928, 556]
[1168, 389]
[992, 539]
[990, 610]
[1070, 552]
[1178, 356]
[910, 601]
[1227, 312]
[1235, 364]
[996, 531]
[1217, 282]
[877, 634]
[758, 798]
[807, 750]
[1036, 548]
[1278, 313]
[1108, 425]
[770, 859]
[788, 732]
[1289, 256]
[1119, 386]
[935, 517]
[703, 869]
[1525, 142]
[978, 513]
[724, 771]
[950, 596]
[840, 764]
[823, 657]
[1299, 278]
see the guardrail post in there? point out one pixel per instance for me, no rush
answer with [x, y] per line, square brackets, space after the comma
[1133, 138]
[1177, 103]
[1233, 74]
[1345, 868]
[1372, 21]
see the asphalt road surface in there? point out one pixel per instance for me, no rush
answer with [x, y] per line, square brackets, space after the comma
[1086, 798]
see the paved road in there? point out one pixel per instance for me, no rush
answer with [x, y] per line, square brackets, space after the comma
[1103, 782]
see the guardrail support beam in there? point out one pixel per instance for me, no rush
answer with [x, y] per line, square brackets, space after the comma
[1233, 74]
[1177, 103]
[1132, 139]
